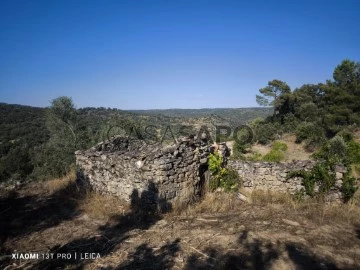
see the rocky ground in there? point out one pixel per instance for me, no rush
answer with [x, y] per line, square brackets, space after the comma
[221, 232]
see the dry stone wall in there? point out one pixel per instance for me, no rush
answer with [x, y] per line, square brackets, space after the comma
[178, 173]
[273, 176]
[172, 174]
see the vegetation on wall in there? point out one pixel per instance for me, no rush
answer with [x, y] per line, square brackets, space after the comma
[335, 152]
[221, 177]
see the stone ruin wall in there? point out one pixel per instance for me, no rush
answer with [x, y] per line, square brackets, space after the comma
[174, 174]
[273, 176]
[178, 173]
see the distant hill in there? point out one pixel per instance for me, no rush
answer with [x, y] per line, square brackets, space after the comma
[237, 115]
[23, 130]
[21, 124]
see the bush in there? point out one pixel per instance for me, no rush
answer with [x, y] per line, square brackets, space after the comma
[312, 133]
[265, 133]
[274, 156]
[279, 146]
[290, 122]
[353, 151]
[230, 180]
[337, 150]
[321, 174]
[227, 179]
[239, 149]
[215, 163]
[277, 152]
[348, 187]
[256, 156]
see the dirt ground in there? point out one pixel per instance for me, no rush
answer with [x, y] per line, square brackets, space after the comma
[295, 151]
[221, 232]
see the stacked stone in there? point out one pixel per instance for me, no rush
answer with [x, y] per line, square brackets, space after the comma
[120, 166]
[273, 176]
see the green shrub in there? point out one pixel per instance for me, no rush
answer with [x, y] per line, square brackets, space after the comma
[279, 146]
[274, 156]
[348, 187]
[323, 174]
[311, 133]
[337, 150]
[353, 151]
[256, 156]
[277, 152]
[346, 134]
[307, 180]
[230, 180]
[320, 174]
[215, 163]
[239, 149]
[221, 177]
[290, 122]
[265, 133]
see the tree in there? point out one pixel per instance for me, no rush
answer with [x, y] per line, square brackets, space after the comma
[62, 118]
[271, 93]
[55, 157]
[347, 74]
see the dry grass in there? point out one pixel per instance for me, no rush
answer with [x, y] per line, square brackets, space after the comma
[103, 207]
[89, 202]
[355, 170]
[279, 204]
[265, 197]
[99, 206]
[313, 209]
[217, 202]
[357, 135]
[330, 214]
[57, 184]
[294, 152]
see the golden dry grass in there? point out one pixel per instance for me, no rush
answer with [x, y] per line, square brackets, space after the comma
[57, 184]
[313, 209]
[265, 197]
[89, 202]
[99, 206]
[276, 204]
[355, 170]
[295, 151]
[216, 202]
[357, 135]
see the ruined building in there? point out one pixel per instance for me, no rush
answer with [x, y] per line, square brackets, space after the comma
[174, 174]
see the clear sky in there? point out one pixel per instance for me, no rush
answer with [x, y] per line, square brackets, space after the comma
[149, 54]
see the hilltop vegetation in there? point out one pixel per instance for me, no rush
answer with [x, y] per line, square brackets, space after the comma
[324, 117]
[236, 115]
[38, 143]
[316, 112]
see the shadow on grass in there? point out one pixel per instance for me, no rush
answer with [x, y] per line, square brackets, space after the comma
[21, 215]
[257, 254]
[145, 257]
[305, 259]
[145, 211]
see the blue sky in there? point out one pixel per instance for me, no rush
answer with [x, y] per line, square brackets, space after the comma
[169, 54]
